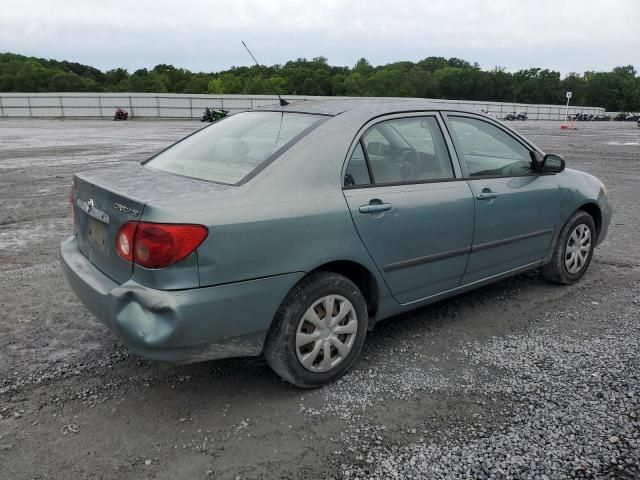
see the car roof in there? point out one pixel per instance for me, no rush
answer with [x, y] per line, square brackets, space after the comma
[365, 106]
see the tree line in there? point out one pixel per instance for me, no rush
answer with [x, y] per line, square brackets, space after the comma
[433, 77]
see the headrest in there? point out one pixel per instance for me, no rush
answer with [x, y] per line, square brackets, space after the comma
[230, 149]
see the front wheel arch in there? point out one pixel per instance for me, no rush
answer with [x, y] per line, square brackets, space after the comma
[554, 270]
[594, 211]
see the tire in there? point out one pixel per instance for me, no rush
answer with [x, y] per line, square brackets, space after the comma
[567, 267]
[293, 338]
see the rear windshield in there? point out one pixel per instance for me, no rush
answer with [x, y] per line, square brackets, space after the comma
[232, 148]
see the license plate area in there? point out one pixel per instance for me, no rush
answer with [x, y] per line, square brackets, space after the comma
[98, 233]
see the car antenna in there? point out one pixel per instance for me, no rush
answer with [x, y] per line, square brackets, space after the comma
[283, 102]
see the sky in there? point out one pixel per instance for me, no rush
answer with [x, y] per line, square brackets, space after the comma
[563, 35]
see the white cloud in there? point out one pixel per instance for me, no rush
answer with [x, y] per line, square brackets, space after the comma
[205, 35]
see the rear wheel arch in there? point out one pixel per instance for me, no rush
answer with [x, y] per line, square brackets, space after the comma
[361, 276]
[289, 332]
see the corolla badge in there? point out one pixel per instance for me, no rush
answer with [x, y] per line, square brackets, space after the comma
[124, 209]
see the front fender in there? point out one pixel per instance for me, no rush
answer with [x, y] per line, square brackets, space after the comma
[580, 190]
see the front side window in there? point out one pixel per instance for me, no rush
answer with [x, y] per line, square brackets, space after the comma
[404, 150]
[488, 150]
[229, 150]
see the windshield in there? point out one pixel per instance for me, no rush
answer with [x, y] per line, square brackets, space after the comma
[229, 150]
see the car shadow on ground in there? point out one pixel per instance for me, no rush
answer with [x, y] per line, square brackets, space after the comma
[459, 313]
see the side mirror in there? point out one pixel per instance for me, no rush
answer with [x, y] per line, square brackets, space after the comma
[552, 164]
[536, 161]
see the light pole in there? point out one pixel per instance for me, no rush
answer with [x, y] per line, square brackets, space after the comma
[566, 112]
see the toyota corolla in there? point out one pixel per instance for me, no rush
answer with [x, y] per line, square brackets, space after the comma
[290, 231]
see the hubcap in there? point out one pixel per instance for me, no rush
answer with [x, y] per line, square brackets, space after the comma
[577, 250]
[326, 333]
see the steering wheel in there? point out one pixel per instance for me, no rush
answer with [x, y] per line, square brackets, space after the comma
[407, 159]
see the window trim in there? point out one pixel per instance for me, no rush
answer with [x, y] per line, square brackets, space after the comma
[458, 146]
[400, 184]
[458, 173]
[372, 179]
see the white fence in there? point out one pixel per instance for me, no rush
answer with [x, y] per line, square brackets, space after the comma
[187, 106]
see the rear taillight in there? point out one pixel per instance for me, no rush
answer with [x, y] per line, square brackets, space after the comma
[158, 245]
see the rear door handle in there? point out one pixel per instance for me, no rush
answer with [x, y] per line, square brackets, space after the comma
[374, 207]
[486, 194]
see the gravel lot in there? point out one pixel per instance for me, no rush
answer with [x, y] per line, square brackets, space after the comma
[521, 379]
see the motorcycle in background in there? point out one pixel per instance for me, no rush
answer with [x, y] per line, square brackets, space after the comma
[213, 114]
[584, 117]
[121, 114]
[522, 116]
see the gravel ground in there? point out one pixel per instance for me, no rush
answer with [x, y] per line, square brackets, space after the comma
[520, 379]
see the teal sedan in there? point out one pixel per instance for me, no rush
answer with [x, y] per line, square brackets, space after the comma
[290, 231]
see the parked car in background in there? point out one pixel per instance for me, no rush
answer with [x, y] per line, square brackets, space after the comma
[289, 231]
[584, 117]
[627, 117]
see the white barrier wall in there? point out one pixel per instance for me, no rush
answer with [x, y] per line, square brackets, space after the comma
[187, 106]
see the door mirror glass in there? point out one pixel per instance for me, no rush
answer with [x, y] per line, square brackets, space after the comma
[552, 164]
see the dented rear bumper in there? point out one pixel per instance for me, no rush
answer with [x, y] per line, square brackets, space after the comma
[179, 325]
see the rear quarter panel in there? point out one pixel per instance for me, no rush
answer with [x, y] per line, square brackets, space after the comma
[291, 217]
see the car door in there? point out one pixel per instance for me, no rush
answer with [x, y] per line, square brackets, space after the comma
[410, 205]
[516, 208]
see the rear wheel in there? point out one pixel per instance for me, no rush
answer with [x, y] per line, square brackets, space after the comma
[573, 250]
[318, 331]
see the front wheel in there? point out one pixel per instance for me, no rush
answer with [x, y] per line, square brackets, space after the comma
[573, 251]
[318, 331]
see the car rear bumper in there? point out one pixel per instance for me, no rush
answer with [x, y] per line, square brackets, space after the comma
[182, 325]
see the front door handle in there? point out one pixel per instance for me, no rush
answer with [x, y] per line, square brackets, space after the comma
[486, 194]
[375, 206]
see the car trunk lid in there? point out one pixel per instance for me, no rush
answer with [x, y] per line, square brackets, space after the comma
[106, 199]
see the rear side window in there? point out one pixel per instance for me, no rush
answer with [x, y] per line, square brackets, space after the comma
[402, 150]
[229, 150]
[357, 171]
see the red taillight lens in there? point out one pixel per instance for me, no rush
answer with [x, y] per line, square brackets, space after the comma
[157, 245]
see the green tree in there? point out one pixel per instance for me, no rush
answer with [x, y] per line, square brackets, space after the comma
[431, 77]
[66, 82]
